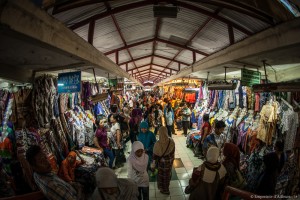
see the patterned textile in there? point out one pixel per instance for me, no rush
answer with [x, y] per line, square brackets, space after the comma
[164, 171]
[4, 97]
[43, 96]
[54, 188]
[24, 139]
[85, 175]
[289, 124]
[255, 169]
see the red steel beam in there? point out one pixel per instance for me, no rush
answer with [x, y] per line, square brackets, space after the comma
[143, 57]
[243, 9]
[151, 2]
[152, 76]
[165, 67]
[158, 40]
[129, 46]
[194, 35]
[68, 6]
[181, 46]
[108, 13]
[231, 34]
[158, 23]
[157, 65]
[215, 16]
[173, 60]
[117, 58]
[120, 33]
[141, 72]
[91, 32]
[138, 67]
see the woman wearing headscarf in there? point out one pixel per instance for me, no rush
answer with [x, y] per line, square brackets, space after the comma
[148, 139]
[68, 165]
[137, 169]
[232, 165]
[109, 187]
[208, 179]
[163, 156]
[67, 171]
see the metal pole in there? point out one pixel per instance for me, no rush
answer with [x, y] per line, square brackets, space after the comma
[266, 77]
[225, 73]
[207, 77]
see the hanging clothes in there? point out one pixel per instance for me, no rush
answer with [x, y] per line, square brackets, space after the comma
[268, 119]
[289, 124]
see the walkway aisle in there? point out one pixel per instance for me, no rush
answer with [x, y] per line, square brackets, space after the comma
[183, 164]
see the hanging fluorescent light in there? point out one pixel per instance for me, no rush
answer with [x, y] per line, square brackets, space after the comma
[222, 86]
[277, 87]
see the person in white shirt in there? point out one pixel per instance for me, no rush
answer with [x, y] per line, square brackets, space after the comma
[131, 103]
[137, 169]
[169, 114]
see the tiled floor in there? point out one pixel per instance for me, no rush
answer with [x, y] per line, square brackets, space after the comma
[184, 173]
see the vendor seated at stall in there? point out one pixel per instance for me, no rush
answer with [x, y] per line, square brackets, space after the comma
[216, 138]
[49, 183]
[68, 165]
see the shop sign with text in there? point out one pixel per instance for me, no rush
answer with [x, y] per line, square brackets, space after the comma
[69, 82]
[250, 77]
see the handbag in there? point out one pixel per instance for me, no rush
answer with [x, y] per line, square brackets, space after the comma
[190, 188]
[164, 152]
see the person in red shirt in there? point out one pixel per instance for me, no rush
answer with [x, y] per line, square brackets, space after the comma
[205, 131]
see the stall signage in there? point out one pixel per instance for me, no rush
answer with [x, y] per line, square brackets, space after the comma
[69, 82]
[250, 77]
[112, 82]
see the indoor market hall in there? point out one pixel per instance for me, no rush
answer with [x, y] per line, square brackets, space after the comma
[149, 99]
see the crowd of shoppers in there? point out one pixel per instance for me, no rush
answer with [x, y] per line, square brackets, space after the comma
[142, 121]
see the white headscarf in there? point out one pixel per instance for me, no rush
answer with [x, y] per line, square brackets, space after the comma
[106, 178]
[160, 147]
[212, 156]
[138, 163]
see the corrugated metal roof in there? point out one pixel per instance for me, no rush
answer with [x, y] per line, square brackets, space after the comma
[123, 56]
[106, 36]
[137, 24]
[185, 56]
[141, 50]
[78, 14]
[174, 65]
[212, 38]
[243, 20]
[112, 57]
[130, 66]
[186, 23]
[199, 57]
[144, 68]
[238, 35]
[160, 61]
[162, 50]
[83, 32]
[142, 62]
[114, 4]
[204, 6]
[157, 68]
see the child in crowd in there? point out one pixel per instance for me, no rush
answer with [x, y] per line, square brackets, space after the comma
[137, 169]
